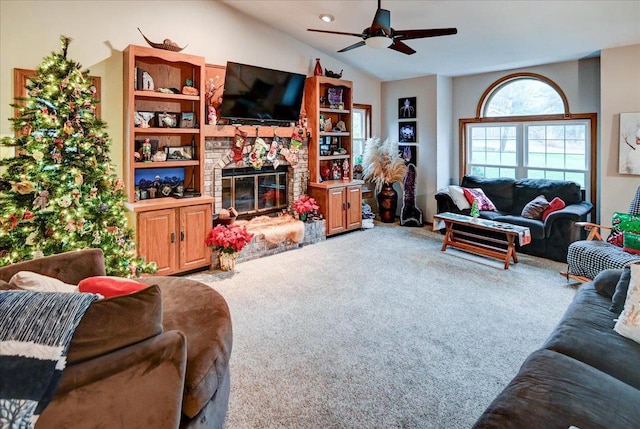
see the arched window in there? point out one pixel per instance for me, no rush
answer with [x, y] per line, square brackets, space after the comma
[523, 129]
[523, 96]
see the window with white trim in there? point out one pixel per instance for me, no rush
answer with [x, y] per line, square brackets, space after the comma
[524, 130]
[551, 150]
[361, 128]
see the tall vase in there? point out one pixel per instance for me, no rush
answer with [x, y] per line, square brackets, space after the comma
[228, 261]
[317, 71]
[387, 203]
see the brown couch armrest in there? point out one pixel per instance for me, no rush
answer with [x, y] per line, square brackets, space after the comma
[70, 267]
[139, 386]
[203, 316]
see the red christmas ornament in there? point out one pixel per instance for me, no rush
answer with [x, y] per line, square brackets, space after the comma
[13, 221]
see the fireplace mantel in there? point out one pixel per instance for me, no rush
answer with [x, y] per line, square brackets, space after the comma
[251, 130]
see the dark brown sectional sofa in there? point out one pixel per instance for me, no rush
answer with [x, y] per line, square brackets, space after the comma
[156, 358]
[585, 375]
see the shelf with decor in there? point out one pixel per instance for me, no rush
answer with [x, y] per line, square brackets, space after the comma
[328, 105]
[164, 115]
[167, 131]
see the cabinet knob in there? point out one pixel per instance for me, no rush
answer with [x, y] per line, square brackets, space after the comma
[173, 237]
[181, 235]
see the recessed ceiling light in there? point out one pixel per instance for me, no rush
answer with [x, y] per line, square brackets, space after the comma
[327, 17]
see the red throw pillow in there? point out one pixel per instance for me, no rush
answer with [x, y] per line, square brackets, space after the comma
[554, 205]
[108, 286]
[484, 203]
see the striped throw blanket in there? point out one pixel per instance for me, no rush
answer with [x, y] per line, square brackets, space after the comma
[35, 332]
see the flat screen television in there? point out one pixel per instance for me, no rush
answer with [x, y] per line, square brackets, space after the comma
[257, 95]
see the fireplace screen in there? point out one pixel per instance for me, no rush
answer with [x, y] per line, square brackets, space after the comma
[254, 192]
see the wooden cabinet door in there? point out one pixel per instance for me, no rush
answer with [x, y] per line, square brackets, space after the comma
[195, 223]
[354, 207]
[157, 239]
[336, 203]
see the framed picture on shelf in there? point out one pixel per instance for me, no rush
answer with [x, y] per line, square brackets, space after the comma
[179, 153]
[167, 120]
[407, 132]
[334, 95]
[407, 108]
[187, 120]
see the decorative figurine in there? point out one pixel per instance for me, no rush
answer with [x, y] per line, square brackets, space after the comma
[345, 169]
[335, 171]
[146, 150]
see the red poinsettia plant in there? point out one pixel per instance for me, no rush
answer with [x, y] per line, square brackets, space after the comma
[305, 204]
[228, 238]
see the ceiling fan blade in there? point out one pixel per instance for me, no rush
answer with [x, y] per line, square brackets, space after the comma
[419, 34]
[381, 25]
[350, 47]
[397, 45]
[336, 32]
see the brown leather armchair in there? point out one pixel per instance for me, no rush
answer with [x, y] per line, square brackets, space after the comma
[157, 358]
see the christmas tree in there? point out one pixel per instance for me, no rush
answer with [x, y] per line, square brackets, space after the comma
[474, 209]
[59, 192]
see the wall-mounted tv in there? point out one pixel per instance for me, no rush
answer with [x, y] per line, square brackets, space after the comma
[257, 95]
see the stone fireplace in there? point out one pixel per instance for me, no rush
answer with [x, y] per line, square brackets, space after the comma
[222, 173]
[257, 192]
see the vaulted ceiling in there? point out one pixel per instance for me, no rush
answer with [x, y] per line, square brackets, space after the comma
[492, 35]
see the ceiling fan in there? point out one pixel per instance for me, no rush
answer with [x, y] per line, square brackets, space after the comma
[381, 35]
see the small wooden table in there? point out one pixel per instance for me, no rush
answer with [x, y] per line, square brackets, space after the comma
[470, 238]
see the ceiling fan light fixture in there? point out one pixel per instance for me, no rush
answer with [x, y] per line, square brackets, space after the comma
[378, 42]
[327, 17]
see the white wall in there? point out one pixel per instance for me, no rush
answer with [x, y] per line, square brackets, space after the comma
[425, 91]
[101, 30]
[620, 85]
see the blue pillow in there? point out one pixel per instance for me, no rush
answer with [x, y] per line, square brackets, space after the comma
[620, 295]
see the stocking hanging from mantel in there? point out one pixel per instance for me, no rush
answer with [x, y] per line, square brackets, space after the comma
[239, 141]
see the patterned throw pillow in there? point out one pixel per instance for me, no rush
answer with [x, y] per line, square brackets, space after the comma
[628, 323]
[535, 207]
[484, 203]
[620, 223]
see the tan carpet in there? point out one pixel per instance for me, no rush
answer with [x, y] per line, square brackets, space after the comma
[380, 329]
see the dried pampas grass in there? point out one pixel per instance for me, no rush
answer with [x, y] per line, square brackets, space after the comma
[382, 163]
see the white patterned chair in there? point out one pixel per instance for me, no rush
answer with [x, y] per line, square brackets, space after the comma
[586, 258]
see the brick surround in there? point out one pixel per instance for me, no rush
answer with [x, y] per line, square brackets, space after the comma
[218, 155]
